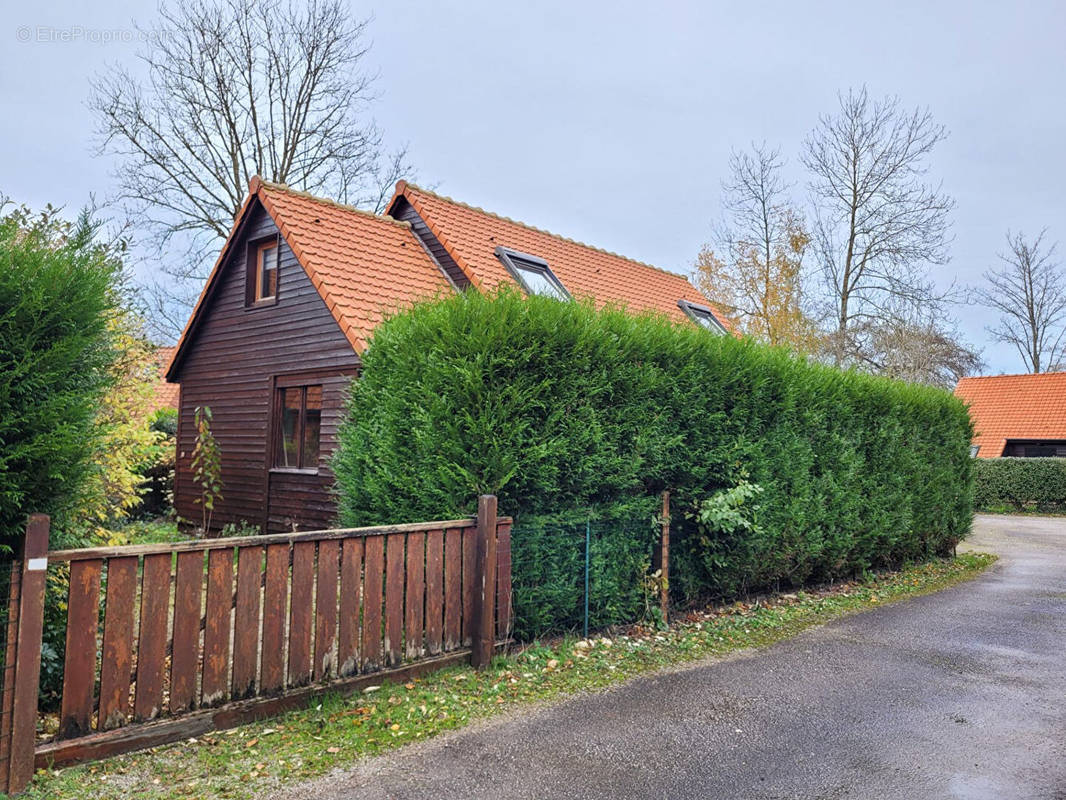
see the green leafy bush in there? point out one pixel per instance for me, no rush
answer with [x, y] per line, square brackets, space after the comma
[1020, 484]
[559, 407]
[58, 298]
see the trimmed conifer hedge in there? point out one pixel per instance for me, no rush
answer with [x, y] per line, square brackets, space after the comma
[1020, 484]
[561, 409]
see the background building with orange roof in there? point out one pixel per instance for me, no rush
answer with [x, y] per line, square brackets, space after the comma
[1017, 415]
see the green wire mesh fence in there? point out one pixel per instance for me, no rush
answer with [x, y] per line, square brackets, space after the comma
[583, 575]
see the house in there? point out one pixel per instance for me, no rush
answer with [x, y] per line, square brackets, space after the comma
[1017, 415]
[164, 394]
[295, 294]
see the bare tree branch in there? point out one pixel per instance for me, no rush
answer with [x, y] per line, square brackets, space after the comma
[236, 88]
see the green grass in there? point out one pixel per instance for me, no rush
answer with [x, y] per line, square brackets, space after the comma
[148, 531]
[336, 731]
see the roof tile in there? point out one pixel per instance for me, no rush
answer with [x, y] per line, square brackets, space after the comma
[1006, 407]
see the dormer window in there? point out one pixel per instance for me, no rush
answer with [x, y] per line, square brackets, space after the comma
[702, 316]
[263, 272]
[533, 274]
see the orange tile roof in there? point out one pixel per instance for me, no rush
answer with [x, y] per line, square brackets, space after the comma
[165, 394]
[1006, 407]
[470, 235]
[364, 265]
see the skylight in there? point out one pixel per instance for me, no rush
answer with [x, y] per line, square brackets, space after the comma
[702, 316]
[533, 274]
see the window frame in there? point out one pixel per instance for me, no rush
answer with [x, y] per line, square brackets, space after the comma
[254, 275]
[696, 312]
[278, 439]
[516, 261]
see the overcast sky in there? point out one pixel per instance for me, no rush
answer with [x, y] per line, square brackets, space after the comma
[612, 122]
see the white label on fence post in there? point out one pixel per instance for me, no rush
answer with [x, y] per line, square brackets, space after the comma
[37, 564]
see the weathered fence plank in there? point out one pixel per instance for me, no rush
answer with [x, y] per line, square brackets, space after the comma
[394, 558]
[453, 588]
[275, 605]
[373, 580]
[326, 607]
[415, 596]
[469, 571]
[79, 669]
[503, 581]
[185, 650]
[246, 621]
[152, 637]
[117, 655]
[301, 610]
[434, 591]
[350, 590]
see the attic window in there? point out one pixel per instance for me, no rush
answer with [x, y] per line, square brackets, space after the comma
[263, 275]
[533, 274]
[702, 316]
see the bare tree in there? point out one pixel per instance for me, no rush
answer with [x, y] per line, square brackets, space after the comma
[1029, 292]
[236, 88]
[755, 267]
[919, 346]
[879, 225]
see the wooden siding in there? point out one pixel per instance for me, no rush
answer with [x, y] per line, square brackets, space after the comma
[403, 210]
[230, 365]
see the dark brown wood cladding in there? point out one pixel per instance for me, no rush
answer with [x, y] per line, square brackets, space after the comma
[230, 365]
[403, 210]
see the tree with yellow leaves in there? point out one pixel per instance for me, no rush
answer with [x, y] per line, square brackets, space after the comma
[754, 270]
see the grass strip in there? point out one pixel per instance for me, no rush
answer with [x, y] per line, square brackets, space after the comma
[337, 731]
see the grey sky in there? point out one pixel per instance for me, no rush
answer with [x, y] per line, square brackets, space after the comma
[612, 122]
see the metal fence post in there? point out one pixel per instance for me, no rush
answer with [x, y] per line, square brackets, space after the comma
[484, 628]
[588, 541]
[26, 659]
[664, 560]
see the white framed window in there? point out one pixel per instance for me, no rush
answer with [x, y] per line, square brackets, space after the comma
[533, 274]
[702, 316]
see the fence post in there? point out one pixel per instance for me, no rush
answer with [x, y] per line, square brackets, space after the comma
[664, 560]
[29, 606]
[484, 628]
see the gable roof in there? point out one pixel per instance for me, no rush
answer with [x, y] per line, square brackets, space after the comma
[363, 265]
[471, 235]
[1006, 407]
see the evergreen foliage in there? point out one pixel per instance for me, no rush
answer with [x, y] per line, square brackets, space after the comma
[1020, 484]
[565, 411]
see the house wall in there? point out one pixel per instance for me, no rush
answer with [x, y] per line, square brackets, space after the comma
[230, 365]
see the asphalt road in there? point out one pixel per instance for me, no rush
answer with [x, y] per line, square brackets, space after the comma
[961, 694]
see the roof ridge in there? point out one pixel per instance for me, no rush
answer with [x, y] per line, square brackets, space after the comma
[284, 187]
[1012, 375]
[526, 225]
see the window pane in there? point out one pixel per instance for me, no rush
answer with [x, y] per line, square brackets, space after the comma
[288, 454]
[268, 272]
[705, 320]
[312, 427]
[539, 283]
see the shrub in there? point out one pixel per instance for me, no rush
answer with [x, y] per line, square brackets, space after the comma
[58, 299]
[1020, 484]
[559, 407]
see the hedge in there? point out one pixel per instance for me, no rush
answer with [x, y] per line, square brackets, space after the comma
[566, 411]
[1020, 484]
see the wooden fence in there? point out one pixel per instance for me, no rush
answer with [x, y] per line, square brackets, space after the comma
[168, 641]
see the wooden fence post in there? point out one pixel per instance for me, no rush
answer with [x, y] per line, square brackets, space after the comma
[664, 560]
[484, 627]
[29, 606]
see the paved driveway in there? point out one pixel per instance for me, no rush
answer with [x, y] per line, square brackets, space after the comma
[961, 694]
